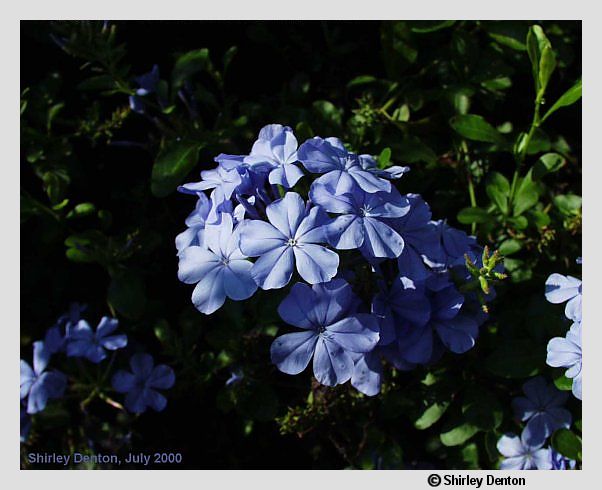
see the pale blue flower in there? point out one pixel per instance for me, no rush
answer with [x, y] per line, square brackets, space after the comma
[290, 239]
[221, 270]
[82, 341]
[332, 331]
[561, 288]
[566, 352]
[520, 455]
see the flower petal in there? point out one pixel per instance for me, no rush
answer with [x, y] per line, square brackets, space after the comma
[123, 381]
[238, 282]
[195, 263]
[315, 263]
[287, 213]
[258, 237]
[274, 269]
[162, 377]
[209, 294]
[332, 365]
[358, 333]
[380, 240]
[291, 352]
[142, 365]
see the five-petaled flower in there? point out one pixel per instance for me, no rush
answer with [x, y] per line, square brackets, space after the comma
[221, 270]
[37, 384]
[291, 238]
[82, 341]
[521, 455]
[542, 409]
[332, 331]
[561, 288]
[142, 383]
[566, 352]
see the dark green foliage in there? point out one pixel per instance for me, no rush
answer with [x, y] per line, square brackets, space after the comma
[486, 114]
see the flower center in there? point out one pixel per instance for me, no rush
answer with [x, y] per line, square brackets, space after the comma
[365, 210]
[321, 329]
[225, 261]
[291, 242]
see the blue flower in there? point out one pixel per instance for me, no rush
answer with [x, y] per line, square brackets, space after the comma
[421, 238]
[276, 150]
[38, 384]
[142, 383]
[82, 341]
[566, 352]
[221, 270]
[560, 462]
[148, 82]
[561, 288]
[332, 330]
[520, 455]
[361, 224]
[341, 169]
[368, 163]
[400, 306]
[454, 244]
[455, 330]
[290, 238]
[367, 373]
[542, 409]
[196, 222]
[236, 376]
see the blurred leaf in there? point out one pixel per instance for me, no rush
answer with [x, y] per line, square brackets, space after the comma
[498, 190]
[384, 159]
[563, 383]
[414, 150]
[526, 195]
[303, 131]
[571, 96]
[507, 33]
[173, 163]
[568, 204]
[510, 246]
[567, 444]
[426, 26]
[81, 210]
[228, 57]
[459, 434]
[482, 409]
[475, 128]
[328, 112]
[548, 163]
[431, 415]
[361, 80]
[189, 64]
[467, 216]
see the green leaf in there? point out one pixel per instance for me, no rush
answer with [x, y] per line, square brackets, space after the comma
[126, 294]
[498, 190]
[476, 128]
[384, 159]
[228, 56]
[543, 60]
[526, 195]
[82, 209]
[482, 409]
[415, 150]
[431, 415]
[458, 435]
[563, 383]
[189, 64]
[426, 26]
[548, 163]
[515, 359]
[304, 131]
[329, 113]
[571, 96]
[509, 34]
[569, 204]
[361, 80]
[468, 216]
[567, 443]
[173, 163]
[510, 246]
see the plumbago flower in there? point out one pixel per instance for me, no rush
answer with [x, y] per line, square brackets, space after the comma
[37, 384]
[142, 383]
[390, 289]
[290, 238]
[521, 455]
[566, 352]
[332, 330]
[82, 341]
[542, 409]
[221, 270]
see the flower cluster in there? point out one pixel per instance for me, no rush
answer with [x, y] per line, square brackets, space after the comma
[74, 337]
[542, 410]
[373, 275]
[566, 351]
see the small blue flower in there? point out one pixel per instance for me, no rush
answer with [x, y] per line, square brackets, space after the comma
[276, 150]
[142, 383]
[236, 376]
[542, 409]
[290, 239]
[520, 455]
[82, 341]
[561, 288]
[148, 81]
[332, 331]
[341, 168]
[361, 224]
[566, 352]
[38, 384]
[221, 270]
[560, 462]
